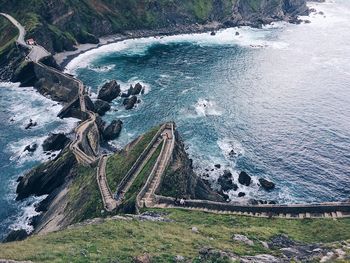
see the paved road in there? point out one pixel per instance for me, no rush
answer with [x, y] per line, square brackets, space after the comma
[36, 52]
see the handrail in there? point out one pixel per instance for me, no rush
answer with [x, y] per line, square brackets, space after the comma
[139, 160]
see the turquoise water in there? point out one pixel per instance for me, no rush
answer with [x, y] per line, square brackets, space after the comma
[278, 96]
[18, 106]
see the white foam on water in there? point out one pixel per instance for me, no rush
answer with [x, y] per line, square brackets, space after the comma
[205, 107]
[231, 148]
[27, 213]
[102, 69]
[248, 37]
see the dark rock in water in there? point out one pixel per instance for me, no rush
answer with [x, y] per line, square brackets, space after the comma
[132, 91]
[237, 33]
[31, 148]
[16, 235]
[272, 202]
[267, 185]
[241, 194]
[244, 178]
[30, 124]
[137, 89]
[226, 183]
[113, 130]
[213, 33]
[307, 21]
[130, 102]
[218, 166]
[101, 107]
[109, 91]
[55, 142]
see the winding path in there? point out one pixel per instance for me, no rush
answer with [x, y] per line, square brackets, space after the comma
[37, 53]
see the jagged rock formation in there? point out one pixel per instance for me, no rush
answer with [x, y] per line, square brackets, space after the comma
[101, 107]
[55, 142]
[46, 177]
[180, 180]
[109, 91]
[113, 130]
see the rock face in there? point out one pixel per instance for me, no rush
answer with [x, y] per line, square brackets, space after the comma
[16, 235]
[113, 130]
[226, 182]
[88, 103]
[129, 103]
[46, 177]
[55, 142]
[180, 181]
[244, 179]
[101, 107]
[109, 91]
[267, 185]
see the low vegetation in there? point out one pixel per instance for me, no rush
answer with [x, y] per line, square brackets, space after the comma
[120, 240]
[119, 164]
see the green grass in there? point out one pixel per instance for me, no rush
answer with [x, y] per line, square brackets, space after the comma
[128, 205]
[123, 240]
[119, 164]
[85, 200]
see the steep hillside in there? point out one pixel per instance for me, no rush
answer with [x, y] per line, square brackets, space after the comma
[59, 25]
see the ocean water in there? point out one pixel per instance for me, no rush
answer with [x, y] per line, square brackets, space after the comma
[279, 97]
[18, 106]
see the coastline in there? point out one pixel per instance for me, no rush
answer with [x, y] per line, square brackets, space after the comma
[64, 58]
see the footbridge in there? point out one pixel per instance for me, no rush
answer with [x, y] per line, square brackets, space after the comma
[36, 54]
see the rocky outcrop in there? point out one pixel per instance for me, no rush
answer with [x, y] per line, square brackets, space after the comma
[244, 178]
[180, 181]
[113, 130]
[46, 177]
[16, 235]
[133, 91]
[226, 182]
[109, 91]
[31, 148]
[55, 142]
[129, 103]
[267, 185]
[101, 107]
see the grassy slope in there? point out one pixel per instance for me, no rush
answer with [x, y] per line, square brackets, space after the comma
[123, 240]
[128, 205]
[119, 164]
[7, 39]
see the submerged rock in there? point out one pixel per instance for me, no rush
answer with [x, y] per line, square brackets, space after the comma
[267, 185]
[31, 148]
[30, 124]
[101, 107]
[244, 179]
[109, 91]
[55, 142]
[112, 131]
